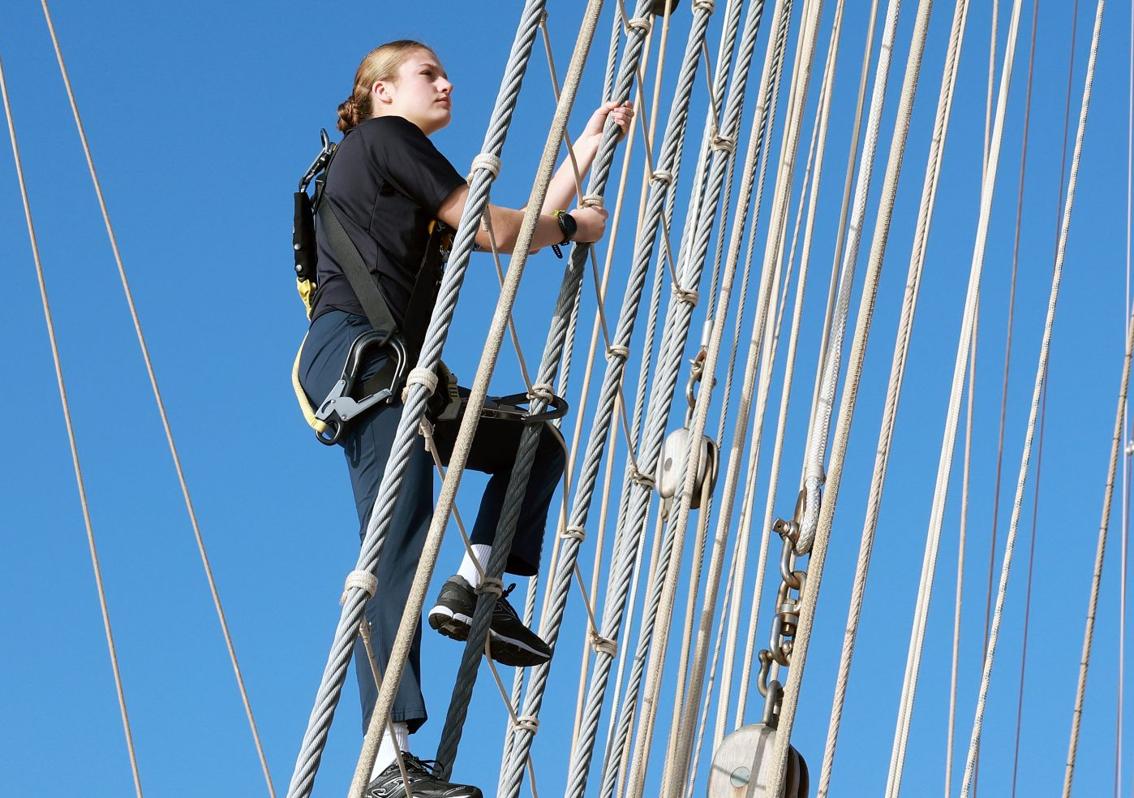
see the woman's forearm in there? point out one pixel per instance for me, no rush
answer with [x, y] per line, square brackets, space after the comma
[562, 189]
[506, 224]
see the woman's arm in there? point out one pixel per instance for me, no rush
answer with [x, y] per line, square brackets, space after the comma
[561, 190]
[506, 223]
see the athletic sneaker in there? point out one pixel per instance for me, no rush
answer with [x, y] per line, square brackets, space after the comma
[423, 783]
[511, 642]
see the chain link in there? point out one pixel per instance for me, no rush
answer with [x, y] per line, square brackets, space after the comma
[785, 621]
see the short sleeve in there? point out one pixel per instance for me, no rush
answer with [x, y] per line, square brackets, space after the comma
[408, 159]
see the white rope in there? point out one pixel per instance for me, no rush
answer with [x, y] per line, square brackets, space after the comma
[844, 217]
[809, 596]
[104, 607]
[678, 322]
[894, 387]
[767, 359]
[818, 431]
[805, 53]
[933, 535]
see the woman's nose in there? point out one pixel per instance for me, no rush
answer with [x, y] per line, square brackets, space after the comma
[444, 85]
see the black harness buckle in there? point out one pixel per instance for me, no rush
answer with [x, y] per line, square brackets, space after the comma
[341, 406]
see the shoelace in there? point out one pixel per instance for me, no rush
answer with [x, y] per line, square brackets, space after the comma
[426, 767]
[506, 605]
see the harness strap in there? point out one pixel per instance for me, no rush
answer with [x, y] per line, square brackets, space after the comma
[361, 282]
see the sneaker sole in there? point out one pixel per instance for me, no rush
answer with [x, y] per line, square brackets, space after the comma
[505, 650]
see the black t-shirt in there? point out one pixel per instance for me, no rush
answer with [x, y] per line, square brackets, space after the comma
[385, 183]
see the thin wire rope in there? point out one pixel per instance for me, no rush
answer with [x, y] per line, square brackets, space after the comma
[945, 458]
[1028, 590]
[159, 402]
[1100, 552]
[77, 467]
[1041, 376]
[1125, 540]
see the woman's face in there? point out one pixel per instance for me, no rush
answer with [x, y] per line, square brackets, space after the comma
[421, 93]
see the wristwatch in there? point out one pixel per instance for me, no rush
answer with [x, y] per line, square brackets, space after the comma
[568, 226]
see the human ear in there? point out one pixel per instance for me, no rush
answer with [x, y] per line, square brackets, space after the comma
[380, 92]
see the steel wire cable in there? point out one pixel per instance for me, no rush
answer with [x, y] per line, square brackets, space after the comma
[612, 377]
[677, 327]
[92, 548]
[413, 409]
[766, 348]
[566, 567]
[530, 437]
[665, 589]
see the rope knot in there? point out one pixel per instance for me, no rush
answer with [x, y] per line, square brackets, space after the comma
[591, 201]
[662, 176]
[574, 533]
[488, 162]
[360, 580]
[640, 24]
[639, 478]
[492, 586]
[420, 376]
[704, 5]
[724, 143]
[689, 296]
[541, 391]
[603, 645]
[528, 723]
[618, 351]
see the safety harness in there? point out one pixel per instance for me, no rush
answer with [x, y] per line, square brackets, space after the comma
[352, 396]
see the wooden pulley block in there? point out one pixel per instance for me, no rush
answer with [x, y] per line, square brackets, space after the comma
[671, 464]
[742, 766]
[658, 7]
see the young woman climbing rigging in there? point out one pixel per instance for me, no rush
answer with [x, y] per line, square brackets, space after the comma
[387, 187]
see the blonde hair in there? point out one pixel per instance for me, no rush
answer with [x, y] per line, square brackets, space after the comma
[381, 63]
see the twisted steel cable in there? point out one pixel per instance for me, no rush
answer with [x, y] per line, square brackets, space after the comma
[334, 673]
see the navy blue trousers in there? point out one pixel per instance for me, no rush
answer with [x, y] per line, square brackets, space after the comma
[367, 445]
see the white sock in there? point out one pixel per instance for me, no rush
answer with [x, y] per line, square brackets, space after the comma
[387, 750]
[468, 568]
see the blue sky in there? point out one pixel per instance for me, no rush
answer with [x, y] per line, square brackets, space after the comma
[202, 118]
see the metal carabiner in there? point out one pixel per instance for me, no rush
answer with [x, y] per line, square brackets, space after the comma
[340, 406]
[696, 372]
